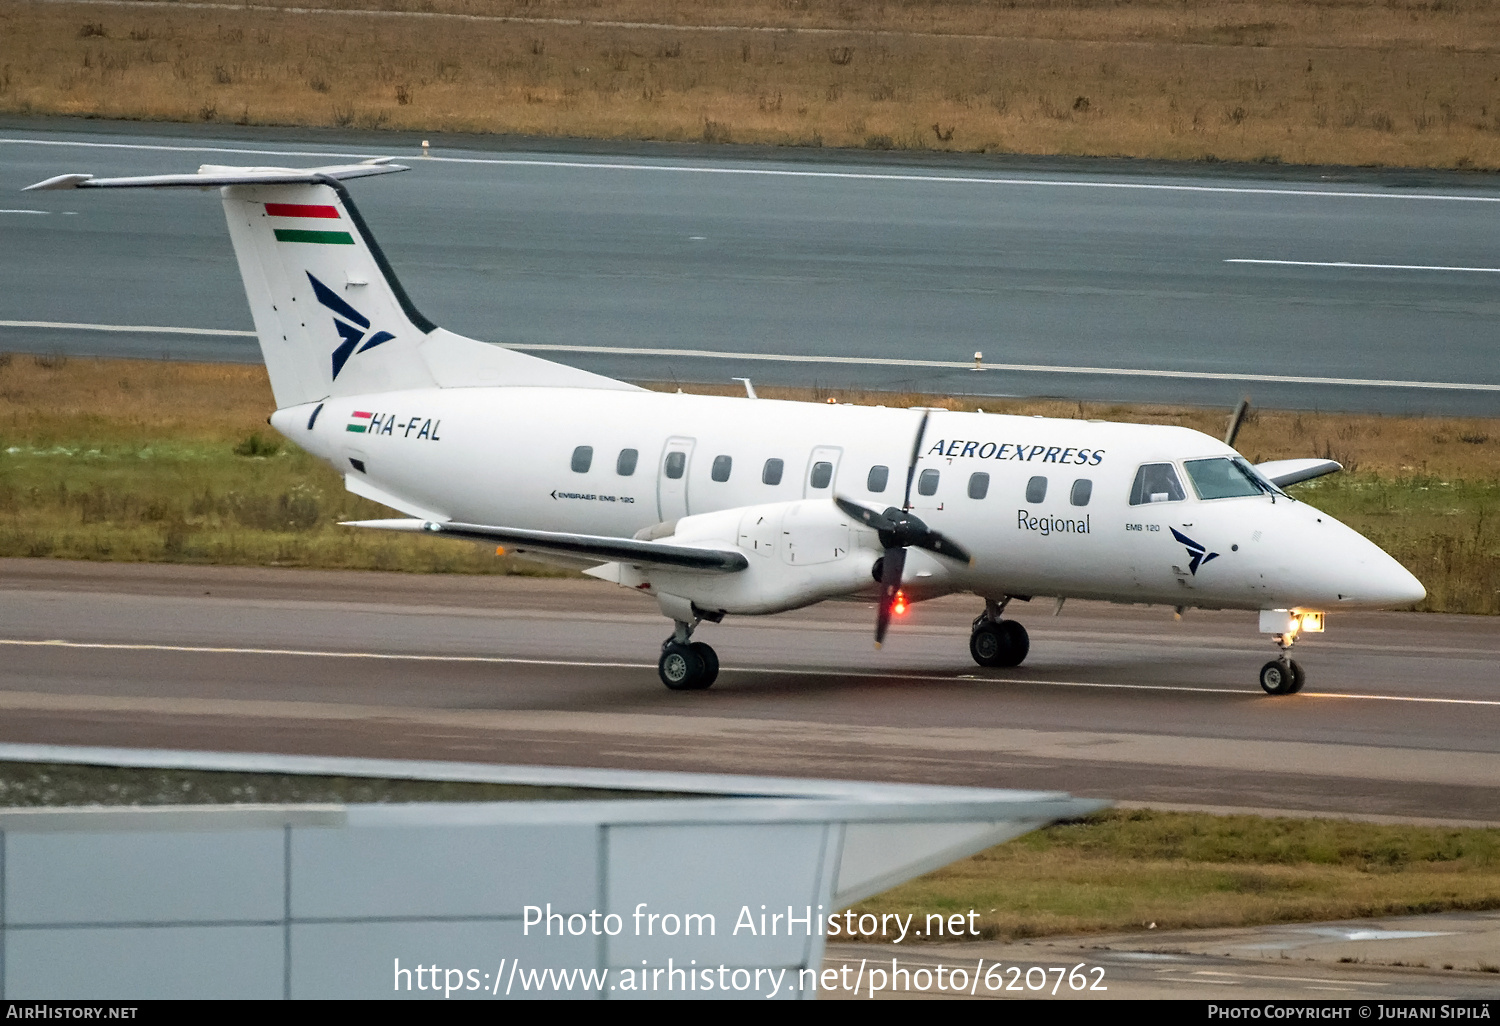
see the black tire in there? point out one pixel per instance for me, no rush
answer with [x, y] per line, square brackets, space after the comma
[679, 667]
[1278, 678]
[710, 660]
[1298, 677]
[999, 644]
[1020, 642]
[987, 644]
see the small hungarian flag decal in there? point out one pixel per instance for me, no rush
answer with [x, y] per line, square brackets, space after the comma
[312, 211]
[359, 421]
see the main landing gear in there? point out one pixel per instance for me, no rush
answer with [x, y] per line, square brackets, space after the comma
[687, 665]
[998, 642]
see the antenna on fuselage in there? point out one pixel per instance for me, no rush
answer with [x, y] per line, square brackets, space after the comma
[1235, 420]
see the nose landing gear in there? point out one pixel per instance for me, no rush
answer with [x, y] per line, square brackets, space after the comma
[686, 665]
[1282, 676]
[997, 642]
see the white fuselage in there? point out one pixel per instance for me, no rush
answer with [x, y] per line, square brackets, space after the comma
[506, 455]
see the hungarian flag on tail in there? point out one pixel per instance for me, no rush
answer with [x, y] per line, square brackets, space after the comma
[306, 212]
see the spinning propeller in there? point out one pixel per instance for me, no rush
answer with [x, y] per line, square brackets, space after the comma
[899, 529]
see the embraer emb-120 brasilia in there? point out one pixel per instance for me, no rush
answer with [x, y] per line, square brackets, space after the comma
[718, 506]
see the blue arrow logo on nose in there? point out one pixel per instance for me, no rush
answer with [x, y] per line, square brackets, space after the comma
[1197, 554]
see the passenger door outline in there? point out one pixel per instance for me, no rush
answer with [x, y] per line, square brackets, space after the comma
[672, 493]
[821, 454]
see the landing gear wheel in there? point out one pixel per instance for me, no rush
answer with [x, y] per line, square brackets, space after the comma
[1280, 677]
[710, 660]
[679, 667]
[1298, 677]
[999, 644]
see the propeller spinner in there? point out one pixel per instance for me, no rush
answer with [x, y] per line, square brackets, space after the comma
[900, 529]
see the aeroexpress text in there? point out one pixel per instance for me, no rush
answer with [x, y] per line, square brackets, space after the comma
[1025, 453]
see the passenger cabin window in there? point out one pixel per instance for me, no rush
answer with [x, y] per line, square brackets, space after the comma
[979, 485]
[1156, 482]
[1083, 491]
[722, 466]
[1222, 479]
[583, 458]
[625, 465]
[676, 464]
[771, 473]
[822, 475]
[927, 482]
[1036, 489]
[878, 479]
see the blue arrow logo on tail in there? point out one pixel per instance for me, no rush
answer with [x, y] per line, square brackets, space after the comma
[352, 334]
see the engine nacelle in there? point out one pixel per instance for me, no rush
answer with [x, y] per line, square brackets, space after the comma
[800, 552]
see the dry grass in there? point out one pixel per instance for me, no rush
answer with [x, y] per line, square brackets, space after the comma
[47, 400]
[136, 461]
[1389, 82]
[161, 461]
[1122, 870]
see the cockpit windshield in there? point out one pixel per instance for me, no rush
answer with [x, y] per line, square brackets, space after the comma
[1225, 478]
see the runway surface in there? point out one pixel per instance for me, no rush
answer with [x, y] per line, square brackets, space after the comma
[848, 271]
[1399, 717]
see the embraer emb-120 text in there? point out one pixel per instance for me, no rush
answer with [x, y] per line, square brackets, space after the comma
[719, 505]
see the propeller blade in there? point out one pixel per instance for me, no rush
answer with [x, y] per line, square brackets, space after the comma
[864, 514]
[916, 454]
[935, 542]
[899, 528]
[890, 583]
[1237, 419]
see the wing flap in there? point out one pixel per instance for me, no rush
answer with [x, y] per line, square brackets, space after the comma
[624, 550]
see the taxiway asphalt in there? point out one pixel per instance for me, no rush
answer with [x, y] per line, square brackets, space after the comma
[1398, 720]
[845, 270]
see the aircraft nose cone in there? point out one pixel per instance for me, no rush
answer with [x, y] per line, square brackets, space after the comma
[1402, 587]
[1337, 567]
[1378, 580]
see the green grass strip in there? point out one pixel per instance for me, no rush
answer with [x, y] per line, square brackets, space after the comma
[1124, 870]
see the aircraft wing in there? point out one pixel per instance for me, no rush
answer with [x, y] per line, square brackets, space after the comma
[1289, 472]
[600, 547]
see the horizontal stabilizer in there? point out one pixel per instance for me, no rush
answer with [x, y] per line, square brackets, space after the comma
[624, 550]
[331, 316]
[1282, 473]
[209, 175]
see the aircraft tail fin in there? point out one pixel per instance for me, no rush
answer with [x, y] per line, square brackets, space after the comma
[331, 315]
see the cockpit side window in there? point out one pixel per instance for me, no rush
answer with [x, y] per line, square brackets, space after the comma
[1156, 482]
[1222, 478]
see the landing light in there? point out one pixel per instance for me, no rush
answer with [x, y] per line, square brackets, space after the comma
[1290, 623]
